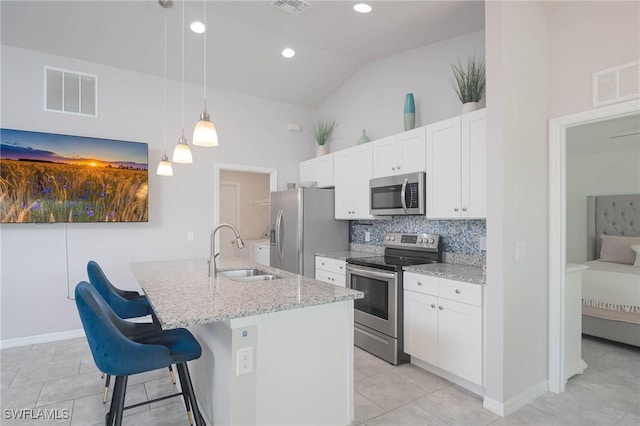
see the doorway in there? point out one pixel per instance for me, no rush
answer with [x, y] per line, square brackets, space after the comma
[558, 128]
[242, 199]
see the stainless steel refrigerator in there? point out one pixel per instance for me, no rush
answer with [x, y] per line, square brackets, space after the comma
[302, 224]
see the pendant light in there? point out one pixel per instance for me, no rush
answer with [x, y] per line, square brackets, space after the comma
[205, 133]
[164, 167]
[182, 152]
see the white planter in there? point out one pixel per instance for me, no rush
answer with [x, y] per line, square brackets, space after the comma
[322, 150]
[470, 106]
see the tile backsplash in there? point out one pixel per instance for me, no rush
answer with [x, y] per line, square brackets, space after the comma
[458, 236]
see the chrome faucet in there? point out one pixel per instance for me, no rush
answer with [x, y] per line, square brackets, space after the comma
[212, 251]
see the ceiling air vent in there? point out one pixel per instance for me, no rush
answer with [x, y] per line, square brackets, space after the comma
[70, 92]
[616, 84]
[294, 7]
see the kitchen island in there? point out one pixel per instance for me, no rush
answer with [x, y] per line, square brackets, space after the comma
[273, 351]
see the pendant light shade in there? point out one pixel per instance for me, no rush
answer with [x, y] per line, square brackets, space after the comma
[182, 152]
[164, 167]
[205, 133]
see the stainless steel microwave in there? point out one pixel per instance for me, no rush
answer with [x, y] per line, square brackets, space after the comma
[398, 195]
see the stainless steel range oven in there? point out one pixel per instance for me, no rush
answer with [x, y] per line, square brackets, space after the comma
[378, 316]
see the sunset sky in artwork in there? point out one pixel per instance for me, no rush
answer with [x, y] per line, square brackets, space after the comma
[24, 145]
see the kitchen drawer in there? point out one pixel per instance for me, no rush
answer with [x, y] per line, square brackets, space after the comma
[330, 277]
[425, 284]
[470, 294]
[331, 265]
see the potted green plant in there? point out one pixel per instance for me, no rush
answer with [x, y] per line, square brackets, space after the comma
[469, 82]
[322, 132]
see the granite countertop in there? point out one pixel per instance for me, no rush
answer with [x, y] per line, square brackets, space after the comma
[452, 271]
[344, 255]
[183, 295]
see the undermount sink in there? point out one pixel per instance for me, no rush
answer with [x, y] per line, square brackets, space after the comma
[248, 275]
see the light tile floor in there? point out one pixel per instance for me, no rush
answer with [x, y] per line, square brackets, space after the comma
[62, 376]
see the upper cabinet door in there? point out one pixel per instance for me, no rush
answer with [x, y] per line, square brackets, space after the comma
[399, 154]
[343, 182]
[474, 164]
[352, 171]
[318, 170]
[385, 157]
[443, 169]
[412, 147]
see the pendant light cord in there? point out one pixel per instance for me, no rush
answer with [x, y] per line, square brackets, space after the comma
[182, 72]
[204, 96]
[165, 86]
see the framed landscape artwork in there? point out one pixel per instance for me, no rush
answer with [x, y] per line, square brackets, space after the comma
[48, 178]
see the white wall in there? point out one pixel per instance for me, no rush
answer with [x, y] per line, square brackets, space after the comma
[373, 99]
[596, 168]
[254, 220]
[516, 290]
[587, 36]
[252, 131]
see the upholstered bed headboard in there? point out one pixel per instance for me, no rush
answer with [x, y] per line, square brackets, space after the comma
[611, 215]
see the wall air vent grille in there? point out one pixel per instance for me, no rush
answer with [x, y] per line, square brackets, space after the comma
[294, 7]
[70, 92]
[616, 84]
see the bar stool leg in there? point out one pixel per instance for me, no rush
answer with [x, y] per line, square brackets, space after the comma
[117, 401]
[173, 376]
[105, 394]
[187, 386]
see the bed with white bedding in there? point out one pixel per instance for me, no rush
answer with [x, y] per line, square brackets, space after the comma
[611, 284]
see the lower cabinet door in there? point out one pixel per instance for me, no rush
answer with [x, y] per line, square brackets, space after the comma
[460, 339]
[331, 277]
[421, 326]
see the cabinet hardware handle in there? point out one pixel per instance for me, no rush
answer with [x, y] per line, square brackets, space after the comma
[433, 305]
[393, 168]
[441, 308]
[398, 167]
[457, 291]
[455, 209]
[464, 209]
[322, 263]
[419, 282]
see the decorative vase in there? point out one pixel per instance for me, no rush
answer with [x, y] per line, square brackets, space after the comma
[363, 138]
[322, 150]
[469, 106]
[409, 112]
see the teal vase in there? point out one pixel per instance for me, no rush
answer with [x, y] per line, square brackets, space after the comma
[363, 138]
[409, 112]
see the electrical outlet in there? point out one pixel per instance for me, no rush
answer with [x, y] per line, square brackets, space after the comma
[244, 361]
[367, 236]
[189, 235]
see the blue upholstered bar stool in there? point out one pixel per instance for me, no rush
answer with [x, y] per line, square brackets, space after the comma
[116, 354]
[126, 304]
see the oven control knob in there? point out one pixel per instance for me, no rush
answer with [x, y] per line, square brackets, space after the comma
[419, 240]
[388, 238]
[393, 238]
[431, 241]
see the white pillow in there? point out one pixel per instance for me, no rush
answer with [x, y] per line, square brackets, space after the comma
[636, 248]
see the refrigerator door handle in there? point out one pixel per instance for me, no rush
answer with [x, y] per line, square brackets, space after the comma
[279, 233]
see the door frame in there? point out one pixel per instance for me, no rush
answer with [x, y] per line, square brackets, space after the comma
[557, 225]
[218, 167]
[235, 185]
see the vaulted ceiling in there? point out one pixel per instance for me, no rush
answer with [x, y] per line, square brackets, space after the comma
[244, 40]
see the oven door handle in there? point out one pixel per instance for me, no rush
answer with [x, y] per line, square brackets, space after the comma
[370, 272]
[403, 198]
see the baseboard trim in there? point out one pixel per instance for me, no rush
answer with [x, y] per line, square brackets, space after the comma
[41, 338]
[512, 405]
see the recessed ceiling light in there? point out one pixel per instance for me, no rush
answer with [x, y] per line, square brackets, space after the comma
[288, 53]
[362, 8]
[197, 27]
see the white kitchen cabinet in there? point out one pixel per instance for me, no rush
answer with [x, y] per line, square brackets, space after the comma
[259, 252]
[399, 154]
[456, 167]
[352, 169]
[443, 324]
[318, 170]
[332, 271]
